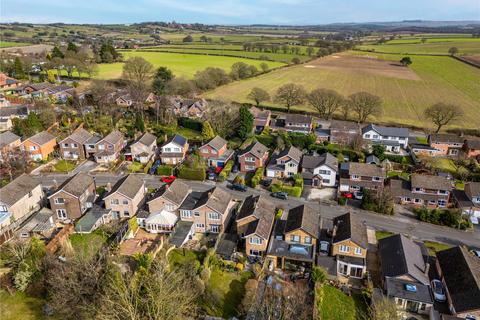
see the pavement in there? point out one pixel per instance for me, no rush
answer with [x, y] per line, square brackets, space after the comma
[399, 223]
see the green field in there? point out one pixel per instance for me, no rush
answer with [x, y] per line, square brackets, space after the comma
[182, 65]
[435, 79]
[7, 44]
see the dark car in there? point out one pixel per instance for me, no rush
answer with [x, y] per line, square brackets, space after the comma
[238, 187]
[211, 176]
[279, 195]
[266, 182]
[154, 167]
[235, 169]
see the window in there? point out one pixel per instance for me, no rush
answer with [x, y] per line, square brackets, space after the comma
[169, 207]
[176, 149]
[65, 145]
[254, 252]
[344, 248]
[358, 251]
[355, 177]
[213, 216]
[375, 178]
[114, 201]
[294, 238]
[59, 201]
[200, 225]
[326, 180]
[399, 301]
[74, 145]
[126, 213]
[307, 240]
[442, 203]
[167, 149]
[250, 159]
[186, 214]
[62, 214]
[101, 147]
[444, 192]
[324, 171]
[215, 228]
[418, 189]
[124, 201]
[32, 148]
[367, 136]
[375, 136]
[110, 147]
[3, 208]
[249, 167]
[196, 214]
[205, 150]
[255, 240]
[291, 165]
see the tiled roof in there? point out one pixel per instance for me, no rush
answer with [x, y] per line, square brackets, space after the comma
[177, 139]
[256, 149]
[76, 185]
[305, 218]
[349, 226]
[445, 138]
[129, 186]
[298, 118]
[7, 137]
[312, 162]
[176, 192]
[219, 200]
[387, 131]
[366, 169]
[80, 135]
[473, 144]
[430, 182]
[7, 112]
[217, 143]
[17, 189]
[41, 138]
[113, 137]
[264, 212]
[147, 139]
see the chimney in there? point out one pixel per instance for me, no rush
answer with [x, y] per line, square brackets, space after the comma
[108, 187]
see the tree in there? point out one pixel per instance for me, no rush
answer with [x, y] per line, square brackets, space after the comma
[258, 95]
[364, 105]
[246, 123]
[181, 87]
[319, 275]
[290, 94]
[310, 51]
[188, 38]
[138, 70]
[72, 47]
[160, 80]
[442, 114]
[18, 69]
[224, 118]
[139, 123]
[207, 131]
[56, 53]
[384, 308]
[406, 61]
[327, 102]
[264, 66]
[241, 70]
[453, 51]
[296, 60]
[211, 78]
[423, 39]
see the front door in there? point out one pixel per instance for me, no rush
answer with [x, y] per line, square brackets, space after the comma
[343, 268]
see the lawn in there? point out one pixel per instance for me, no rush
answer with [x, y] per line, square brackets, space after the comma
[405, 92]
[333, 304]
[442, 164]
[7, 44]
[180, 257]
[19, 306]
[400, 174]
[64, 166]
[383, 234]
[433, 247]
[182, 65]
[135, 167]
[88, 244]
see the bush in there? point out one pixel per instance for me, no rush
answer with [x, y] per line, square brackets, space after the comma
[226, 171]
[292, 191]
[380, 203]
[319, 275]
[443, 217]
[257, 177]
[190, 124]
[187, 173]
[165, 170]
[342, 201]
[148, 166]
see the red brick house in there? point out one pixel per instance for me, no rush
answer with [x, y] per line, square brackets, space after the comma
[253, 157]
[472, 148]
[446, 144]
[216, 152]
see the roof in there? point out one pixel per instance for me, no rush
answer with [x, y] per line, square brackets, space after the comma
[76, 185]
[17, 189]
[400, 256]
[430, 182]
[365, 169]
[217, 143]
[445, 138]
[59, 88]
[226, 244]
[113, 137]
[7, 137]
[175, 192]
[38, 86]
[194, 200]
[461, 272]
[462, 199]
[129, 186]
[397, 288]
[387, 131]
[291, 152]
[343, 125]
[264, 212]
[80, 135]
[93, 139]
[256, 149]
[177, 139]
[41, 138]
[219, 200]
[297, 118]
[39, 221]
[473, 188]
[147, 139]
[179, 235]
[312, 162]
[90, 218]
[281, 248]
[163, 217]
[473, 144]
[349, 227]
[259, 113]
[372, 159]
[305, 218]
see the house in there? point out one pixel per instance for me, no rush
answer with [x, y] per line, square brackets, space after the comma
[93, 219]
[59, 93]
[422, 190]
[124, 100]
[216, 152]
[108, 149]
[18, 200]
[126, 197]
[404, 265]
[349, 245]
[344, 132]
[210, 211]
[468, 200]
[446, 144]
[39, 146]
[359, 176]
[254, 224]
[284, 164]
[322, 134]
[9, 141]
[8, 83]
[72, 147]
[34, 90]
[8, 113]
[298, 123]
[189, 107]
[144, 148]
[261, 118]
[320, 170]
[90, 146]
[294, 241]
[253, 157]
[472, 148]
[174, 150]
[459, 271]
[73, 197]
[41, 224]
[422, 149]
[392, 138]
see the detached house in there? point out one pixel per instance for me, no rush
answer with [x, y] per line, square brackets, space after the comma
[216, 152]
[90, 146]
[320, 171]
[144, 148]
[261, 118]
[126, 197]
[254, 224]
[72, 147]
[253, 157]
[73, 197]
[298, 123]
[472, 148]
[344, 132]
[468, 200]
[446, 144]
[422, 190]
[108, 149]
[189, 107]
[359, 176]
[294, 241]
[393, 139]
[404, 265]
[284, 164]
[40, 146]
[174, 150]
[9, 141]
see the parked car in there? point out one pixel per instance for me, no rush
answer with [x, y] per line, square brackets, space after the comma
[154, 167]
[358, 195]
[266, 182]
[438, 291]
[238, 187]
[211, 176]
[218, 170]
[279, 195]
[324, 248]
[235, 169]
[169, 179]
[347, 195]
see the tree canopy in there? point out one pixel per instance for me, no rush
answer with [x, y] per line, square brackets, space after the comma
[442, 114]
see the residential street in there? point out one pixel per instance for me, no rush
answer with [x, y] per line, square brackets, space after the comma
[398, 223]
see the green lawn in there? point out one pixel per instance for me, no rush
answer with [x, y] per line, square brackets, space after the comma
[383, 234]
[6, 44]
[179, 257]
[333, 304]
[19, 306]
[423, 140]
[88, 244]
[433, 247]
[182, 65]
[400, 174]
[443, 164]
[135, 167]
[64, 166]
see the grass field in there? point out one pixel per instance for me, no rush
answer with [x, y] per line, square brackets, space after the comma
[7, 44]
[405, 92]
[182, 65]
[334, 304]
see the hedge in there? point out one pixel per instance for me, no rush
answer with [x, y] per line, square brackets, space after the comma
[257, 177]
[191, 173]
[443, 217]
[165, 170]
[226, 171]
[292, 191]
[190, 124]
[148, 166]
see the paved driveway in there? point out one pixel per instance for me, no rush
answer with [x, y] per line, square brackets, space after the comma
[85, 167]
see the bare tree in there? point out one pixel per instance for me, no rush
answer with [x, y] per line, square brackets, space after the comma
[224, 118]
[325, 101]
[442, 114]
[101, 93]
[364, 105]
[258, 95]
[384, 308]
[290, 94]
[138, 70]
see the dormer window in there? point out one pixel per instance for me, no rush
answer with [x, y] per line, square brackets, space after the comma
[355, 177]
[376, 179]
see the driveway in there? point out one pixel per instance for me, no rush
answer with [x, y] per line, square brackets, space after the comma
[324, 194]
[85, 167]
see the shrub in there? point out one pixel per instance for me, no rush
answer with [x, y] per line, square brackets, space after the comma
[443, 217]
[165, 170]
[226, 171]
[342, 201]
[257, 177]
[148, 166]
[239, 179]
[190, 124]
[380, 203]
[319, 275]
[187, 173]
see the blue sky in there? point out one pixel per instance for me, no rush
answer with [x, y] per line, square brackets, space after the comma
[236, 11]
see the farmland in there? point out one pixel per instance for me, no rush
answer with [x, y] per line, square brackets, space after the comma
[8, 44]
[182, 65]
[405, 92]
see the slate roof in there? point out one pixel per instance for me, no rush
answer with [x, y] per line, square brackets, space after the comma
[147, 139]
[39, 221]
[179, 235]
[76, 185]
[372, 159]
[129, 186]
[175, 192]
[430, 182]
[264, 212]
[217, 143]
[396, 288]
[113, 137]
[461, 272]
[80, 135]
[19, 111]
[445, 138]
[387, 131]
[349, 226]
[7, 137]
[400, 256]
[365, 169]
[41, 138]
[194, 200]
[256, 149]
[473, 144]
[340, 125]
[297, 118]
[177, 139]
[305, 218]
[312, 162]
[17, 189]
[291, 152]
[93, 139]
[218, 200]
[473, 188]
[38, 86]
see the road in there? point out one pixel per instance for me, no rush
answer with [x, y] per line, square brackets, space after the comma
[397, 223]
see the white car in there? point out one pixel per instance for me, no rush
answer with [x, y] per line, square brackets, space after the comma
[358, 195]
[438, 291]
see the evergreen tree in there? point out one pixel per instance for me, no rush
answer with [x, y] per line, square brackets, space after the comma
[139, 123]
[160, 80]
[246, 123]
[18, 69]
[207, 131]
[72, 47]
[56, 53]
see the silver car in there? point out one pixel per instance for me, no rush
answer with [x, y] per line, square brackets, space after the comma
[438, 291]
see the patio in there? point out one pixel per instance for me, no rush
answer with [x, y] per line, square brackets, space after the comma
[143, 242]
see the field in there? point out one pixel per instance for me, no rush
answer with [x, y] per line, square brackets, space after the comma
[405, 92]
[182, 65]
[7, 44]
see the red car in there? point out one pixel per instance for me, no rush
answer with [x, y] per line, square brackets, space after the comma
[218, 170]
[347, 195]
[168, 179]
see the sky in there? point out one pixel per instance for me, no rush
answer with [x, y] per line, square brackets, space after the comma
[289, 12]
